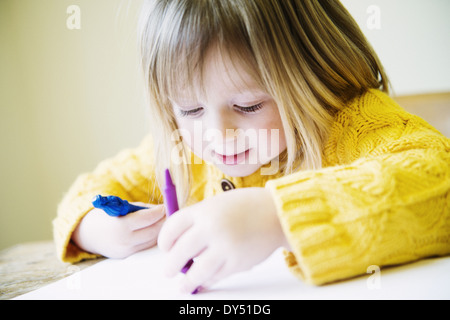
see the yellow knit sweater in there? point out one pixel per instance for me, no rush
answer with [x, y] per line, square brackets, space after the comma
[382, 197]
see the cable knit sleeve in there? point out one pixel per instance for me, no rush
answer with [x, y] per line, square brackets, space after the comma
[130, 175]
[382, 198]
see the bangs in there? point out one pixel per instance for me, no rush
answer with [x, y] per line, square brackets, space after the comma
[188, 32]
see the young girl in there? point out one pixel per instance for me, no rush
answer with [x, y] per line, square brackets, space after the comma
[274, 119]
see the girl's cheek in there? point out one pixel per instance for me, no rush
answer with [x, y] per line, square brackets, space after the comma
[194, 139]
[271, 144]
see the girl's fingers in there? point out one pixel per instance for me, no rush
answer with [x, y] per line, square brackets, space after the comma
[203, 272]
[145, 245]
[187, 247]
[147, 234]
[172, 229]
[221, 273]
[144, 218]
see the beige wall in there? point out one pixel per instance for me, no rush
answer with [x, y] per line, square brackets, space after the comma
[411, 40]
[68, 99]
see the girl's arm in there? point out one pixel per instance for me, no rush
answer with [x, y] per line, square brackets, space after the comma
[129, 175]
[383, 200]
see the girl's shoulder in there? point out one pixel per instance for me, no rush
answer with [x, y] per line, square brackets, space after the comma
[374, 102]
[374, 123]
[374, 109]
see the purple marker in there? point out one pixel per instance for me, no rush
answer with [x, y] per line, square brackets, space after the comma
[170, 195]
[171, 204]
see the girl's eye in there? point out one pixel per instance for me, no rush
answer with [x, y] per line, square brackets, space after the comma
[251, 109]
[193, 112]
[197, 111]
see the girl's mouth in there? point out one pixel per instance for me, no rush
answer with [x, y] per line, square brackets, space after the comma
[232, 160]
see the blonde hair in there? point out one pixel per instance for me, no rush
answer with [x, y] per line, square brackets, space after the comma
[309, 55]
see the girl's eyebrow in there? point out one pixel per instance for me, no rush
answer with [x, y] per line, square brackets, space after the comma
[235, 96]
[188, 105]
[250, 92]
[180, 101]
[255, 94]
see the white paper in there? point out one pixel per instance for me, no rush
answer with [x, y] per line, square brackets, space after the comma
[141, 276]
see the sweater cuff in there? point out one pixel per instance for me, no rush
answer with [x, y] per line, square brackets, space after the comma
[64, 226]
[320, 245]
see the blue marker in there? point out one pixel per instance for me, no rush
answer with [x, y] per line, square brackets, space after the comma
[114, 206]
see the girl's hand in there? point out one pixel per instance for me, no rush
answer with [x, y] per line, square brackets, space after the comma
[227, 233]
[119, 237]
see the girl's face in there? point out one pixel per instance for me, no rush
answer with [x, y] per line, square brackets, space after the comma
[232, 122]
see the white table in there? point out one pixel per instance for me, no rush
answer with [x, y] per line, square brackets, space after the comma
[141, 277]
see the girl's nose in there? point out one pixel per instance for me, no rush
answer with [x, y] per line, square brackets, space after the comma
[223, 133]
[223, 126]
